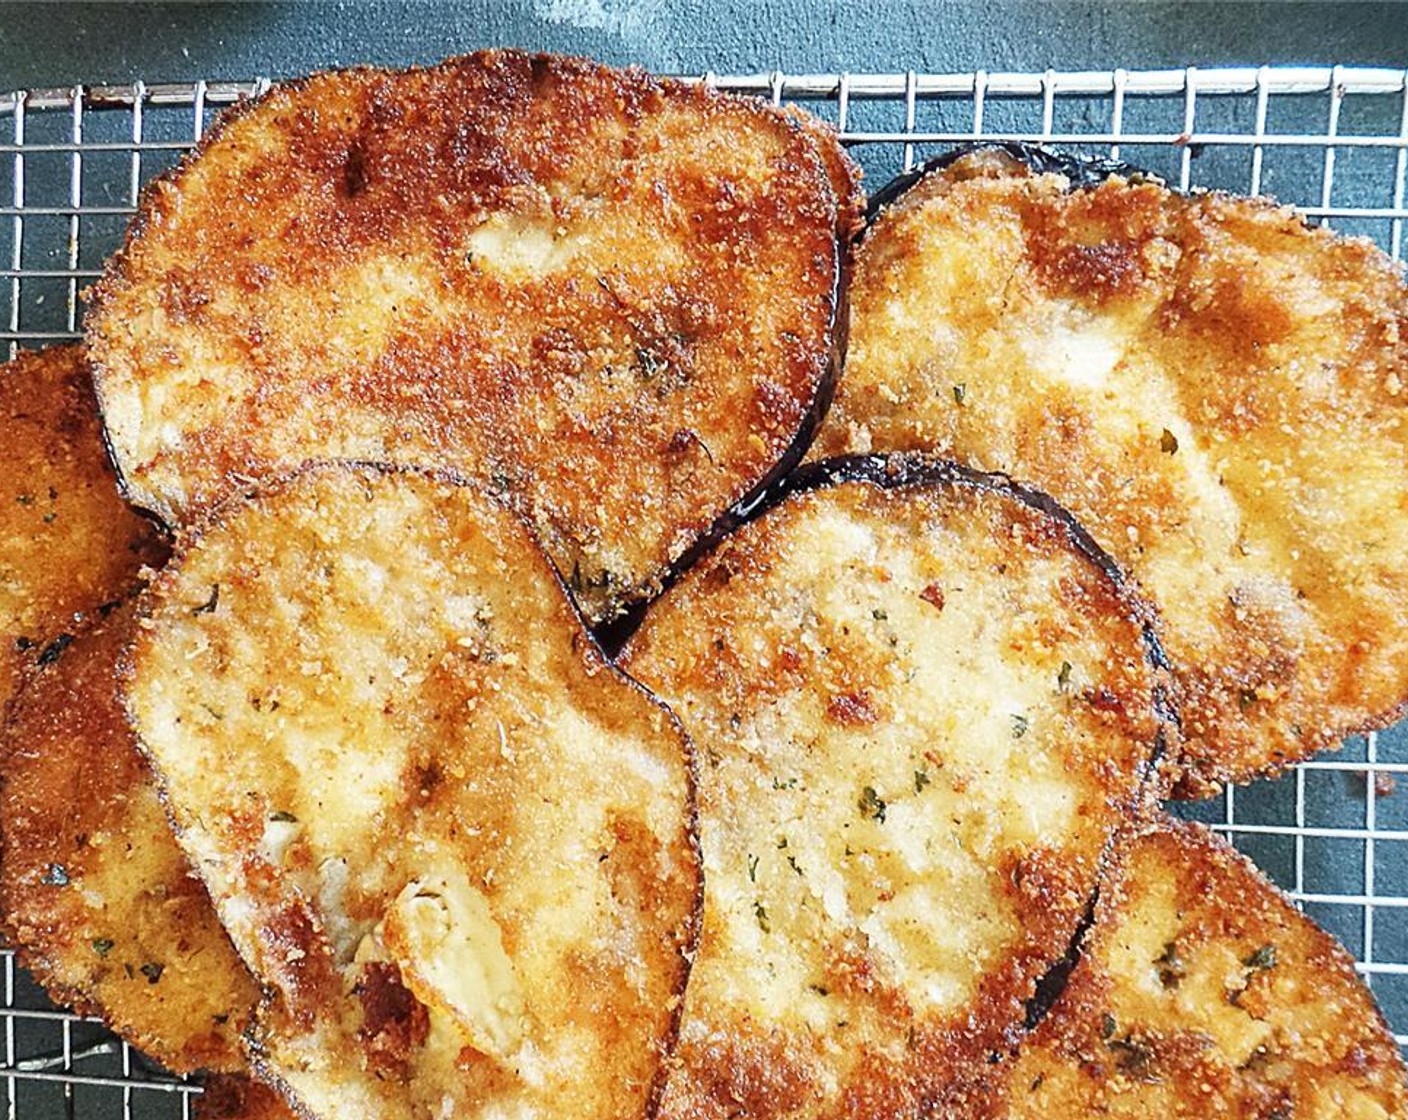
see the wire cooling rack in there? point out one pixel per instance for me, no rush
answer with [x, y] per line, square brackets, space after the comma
[1332, 141]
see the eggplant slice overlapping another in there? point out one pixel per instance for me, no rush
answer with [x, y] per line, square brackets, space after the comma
[95, 893]
[606, 295]
[1217, 390]
[922, 709]
[1202, 992]
[68, 543]
[455, 844]
[96, 898]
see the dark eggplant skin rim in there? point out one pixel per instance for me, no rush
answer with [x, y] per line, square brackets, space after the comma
[583, 641]
[903, 470]
[1084, 172]
[824, 374]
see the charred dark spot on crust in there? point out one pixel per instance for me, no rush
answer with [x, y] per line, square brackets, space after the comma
[209, 606]
[424, 780]
[54, 650]
[354, 173]
[394, 1023]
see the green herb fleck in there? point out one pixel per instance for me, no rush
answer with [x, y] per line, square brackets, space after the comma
[56, 875]
[1019, 726]
[25, 499]
[921, 779]
[761, 913]
[650, 363]
[790, 783]
[1063, 678]
[819, 989]
[50, 517]
[1168, 442]
[152, 971]
[1246, 698]
[284, 816]
[102, 946]
[1263, 958]
[871, 805]
[960, 392]
[879, 614]
[752, 868]
[1134, 1057]
[792, 862]
[1107, 1026]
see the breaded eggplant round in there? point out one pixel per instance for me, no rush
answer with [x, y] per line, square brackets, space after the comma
[921, 711]
[607, 295]
[1217, 390]
[455, 844]
[1202, 992]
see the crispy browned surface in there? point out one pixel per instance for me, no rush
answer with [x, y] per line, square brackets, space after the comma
[68, 544]
[1214, 389]
[94, 892]
[1204, 993]
[919, 715]
[606, 294]
[455, 843]
[233, 1097]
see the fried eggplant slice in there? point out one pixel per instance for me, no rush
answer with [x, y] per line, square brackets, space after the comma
[1216, 390]
[920, 711]
[453, 841]
[95, 893]
[1202, 992]
[68, 543]
[229, 1097]
[606, 294]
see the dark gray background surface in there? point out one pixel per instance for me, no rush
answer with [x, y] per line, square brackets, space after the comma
[58, 44]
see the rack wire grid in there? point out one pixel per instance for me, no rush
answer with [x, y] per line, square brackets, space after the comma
[1331, 141]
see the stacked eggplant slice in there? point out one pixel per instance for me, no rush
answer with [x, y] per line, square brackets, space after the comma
[494, 720]
[1216, 390]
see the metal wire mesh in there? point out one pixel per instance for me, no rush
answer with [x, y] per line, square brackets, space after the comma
[1332, 141]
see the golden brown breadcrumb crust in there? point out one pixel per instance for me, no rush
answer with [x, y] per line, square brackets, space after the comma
[1202, 992]
[1216, 390]
[456, 844]
[608, 295]
[68, 543]
[96, 897]
[920, 713]
[232, 1097]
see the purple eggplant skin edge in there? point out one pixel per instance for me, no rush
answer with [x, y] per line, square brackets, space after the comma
[1084, 172]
